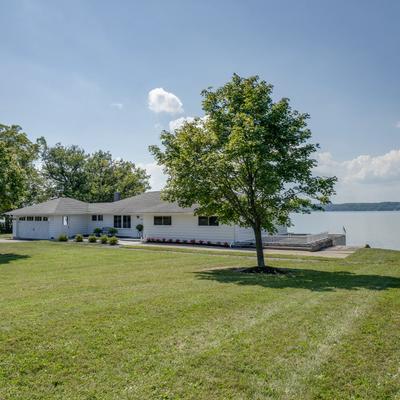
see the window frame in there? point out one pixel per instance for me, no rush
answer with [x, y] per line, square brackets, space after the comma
[100, 217]
[126, 222]
[45, 219]
[30, 218]
[117, 221]
[38, 219]
[165, 220]
[65, 220]
[94, 217]
[207, 221]
[21, 218]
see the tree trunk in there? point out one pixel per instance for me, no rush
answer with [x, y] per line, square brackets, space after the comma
[259, 246]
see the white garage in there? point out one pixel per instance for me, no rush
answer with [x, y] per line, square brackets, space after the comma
[30, 227]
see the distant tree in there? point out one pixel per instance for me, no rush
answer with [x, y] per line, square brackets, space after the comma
[69, 171]
[248, 161]
[107, 176]
[63, 168]
[17, 168]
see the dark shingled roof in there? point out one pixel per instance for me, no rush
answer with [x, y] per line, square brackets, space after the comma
[149, 202]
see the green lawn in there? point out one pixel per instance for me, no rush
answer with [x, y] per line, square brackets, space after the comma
[90, 322]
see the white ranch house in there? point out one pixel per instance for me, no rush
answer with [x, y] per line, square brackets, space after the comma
[160, 220]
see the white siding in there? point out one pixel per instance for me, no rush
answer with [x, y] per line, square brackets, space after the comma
[76, 224]
[108, 222]
[185, 227]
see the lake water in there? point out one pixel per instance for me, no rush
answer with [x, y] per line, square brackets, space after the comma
[377, 228]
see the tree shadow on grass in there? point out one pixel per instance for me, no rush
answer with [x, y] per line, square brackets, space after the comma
[9, 257]
[303, 279]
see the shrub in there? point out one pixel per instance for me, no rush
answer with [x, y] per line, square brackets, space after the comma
[97, 231]
[113, 241]
[112, 231]
[226, 244]
[193, 241]
[92, 239]
[78, 238]
[170, 240]
[209, 243]
[177, 241]
[63, 238]
[201, 241]
[139, 227]
[104, 239]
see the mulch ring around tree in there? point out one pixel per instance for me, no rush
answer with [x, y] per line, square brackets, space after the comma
[265, 270]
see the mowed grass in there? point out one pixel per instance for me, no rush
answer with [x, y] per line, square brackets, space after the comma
[91, 322]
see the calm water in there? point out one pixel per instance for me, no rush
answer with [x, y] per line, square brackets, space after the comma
[377, 228]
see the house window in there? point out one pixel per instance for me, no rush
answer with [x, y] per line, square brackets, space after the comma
[29, 218]
[22, 218]
[126, 221]
[208, 221]
[99, 218]
[65, 220]
[117, 221]
[162, 220]
[45, 219]
[94, 217]
[38, 218]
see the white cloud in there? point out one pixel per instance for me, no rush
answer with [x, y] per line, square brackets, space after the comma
[162, 101]
[364, 178]
[118, 106]
[157, 177]
[177, 123]
[364, 168]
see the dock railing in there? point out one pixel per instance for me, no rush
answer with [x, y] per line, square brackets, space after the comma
[295, 239]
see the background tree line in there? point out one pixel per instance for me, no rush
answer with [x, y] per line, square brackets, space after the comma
[34, 172]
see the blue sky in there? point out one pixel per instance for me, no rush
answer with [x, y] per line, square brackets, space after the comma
[80, 72]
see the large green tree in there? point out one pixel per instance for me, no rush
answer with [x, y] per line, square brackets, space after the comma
[18, 175]
[107, 176]
[69, 171]
[249, 161]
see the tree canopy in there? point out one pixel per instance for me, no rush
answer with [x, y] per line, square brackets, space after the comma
[70, 171]
[248, 161]
[17, 169]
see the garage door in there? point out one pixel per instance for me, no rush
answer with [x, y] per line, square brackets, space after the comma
[33, 229]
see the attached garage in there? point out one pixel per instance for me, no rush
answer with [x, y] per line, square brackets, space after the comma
[30, 227]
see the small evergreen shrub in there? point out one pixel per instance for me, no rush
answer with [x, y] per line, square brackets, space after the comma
[97, 231]
[78, 238]
[104, 239]
[63, 238]
[112, 231]
[92, 239]
[113, 241]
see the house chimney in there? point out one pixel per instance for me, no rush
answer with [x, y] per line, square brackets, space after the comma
[117, 196]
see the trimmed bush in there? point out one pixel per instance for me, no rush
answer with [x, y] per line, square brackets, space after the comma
[112, 231]
[113, 241]
[78, 238]
[92, 239]
[97, 231]
[104, 239]
[63, 238]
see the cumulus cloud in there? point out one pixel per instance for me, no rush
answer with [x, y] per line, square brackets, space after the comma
[177, 123]
[362, 169]
[162, 101]
[157, 177]
[118, 106]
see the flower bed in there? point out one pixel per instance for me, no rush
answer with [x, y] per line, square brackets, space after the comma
[185, 241]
